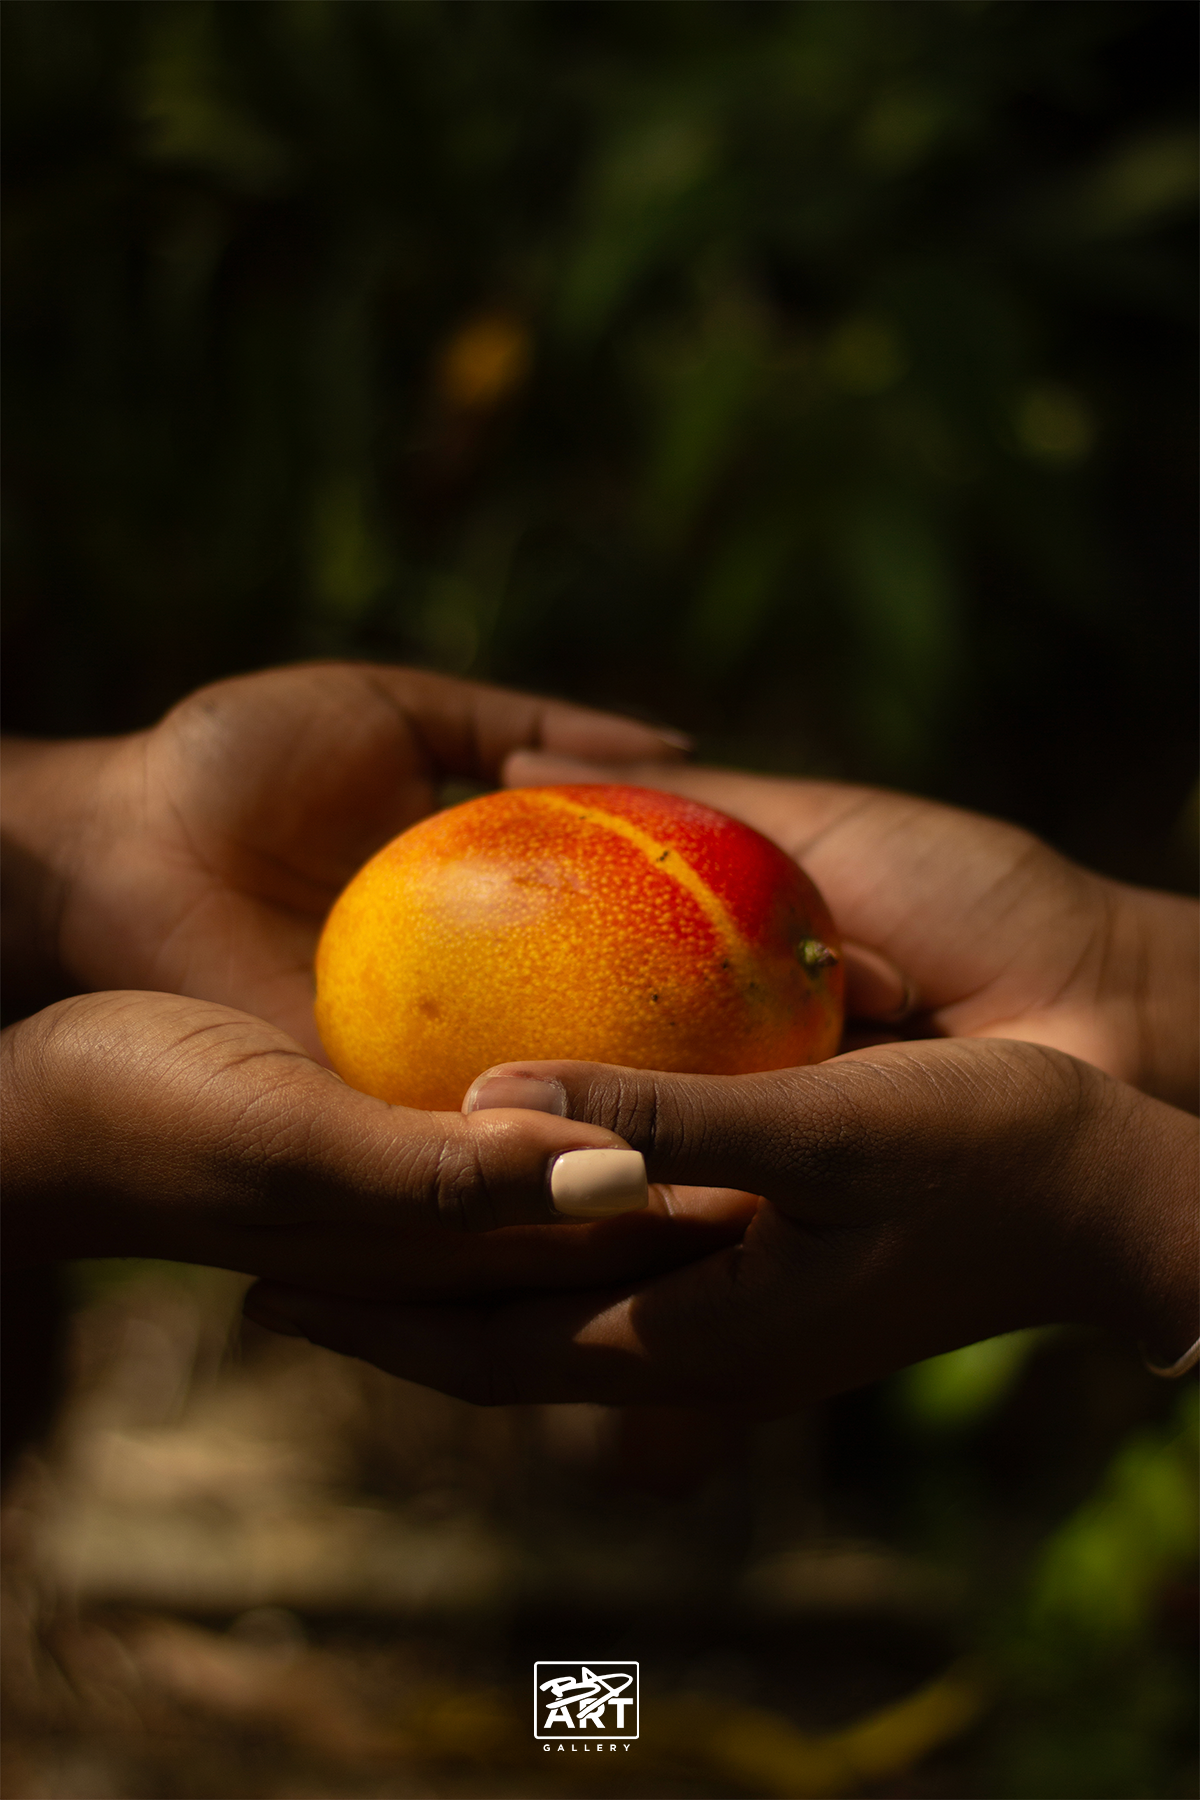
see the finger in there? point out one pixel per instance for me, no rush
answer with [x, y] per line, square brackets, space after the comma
[613, 1348]
[178, 1116]
[207, 1136]
[838, 1142]
[875, 987]
[883, 1249]
[749, 1322]
[469, 728]
[291, 778]
[574, 1347]
[425, 1265]
[792, 813]
[716, 1131]
[928, 887]
[679, 1226]
[428, 1169]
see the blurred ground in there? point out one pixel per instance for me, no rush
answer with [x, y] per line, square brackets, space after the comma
[243, 1566]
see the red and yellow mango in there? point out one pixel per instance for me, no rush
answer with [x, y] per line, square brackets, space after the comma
[612, 924]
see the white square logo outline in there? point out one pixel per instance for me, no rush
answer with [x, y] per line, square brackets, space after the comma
[621, 1735]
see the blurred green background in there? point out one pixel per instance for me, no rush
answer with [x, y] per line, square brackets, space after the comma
[818, 377]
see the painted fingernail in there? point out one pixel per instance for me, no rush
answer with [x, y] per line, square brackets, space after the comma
[598, 1184]
[528, 1092]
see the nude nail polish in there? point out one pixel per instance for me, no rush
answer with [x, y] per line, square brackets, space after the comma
[598, 1184]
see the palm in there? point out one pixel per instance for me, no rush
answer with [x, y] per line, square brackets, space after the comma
[988, 923]
[999, 935]
[223, 835]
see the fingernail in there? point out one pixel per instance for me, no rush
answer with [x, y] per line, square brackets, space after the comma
[678, 740]
[530, 1093]
[260, 1312]
[597, 1184]
[907, 1005]
[875, 987]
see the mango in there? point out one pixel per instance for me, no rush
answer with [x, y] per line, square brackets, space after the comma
[612, 924]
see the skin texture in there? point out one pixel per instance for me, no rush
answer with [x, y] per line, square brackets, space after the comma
[202, 856]
[995, 933]
[149, 1125]
[604, 922]
[921, 1194]
[916, 1197]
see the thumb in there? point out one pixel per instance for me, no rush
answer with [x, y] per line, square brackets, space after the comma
[843, 1141]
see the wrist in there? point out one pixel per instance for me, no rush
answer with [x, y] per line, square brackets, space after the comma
[1156, 950]
[51, 793]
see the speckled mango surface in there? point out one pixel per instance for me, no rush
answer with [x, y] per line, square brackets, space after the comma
[612, 924]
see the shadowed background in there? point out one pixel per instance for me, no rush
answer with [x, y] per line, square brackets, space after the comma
[819, 376]
[816, 377]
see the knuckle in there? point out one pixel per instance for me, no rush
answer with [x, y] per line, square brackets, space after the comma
[259, 1115]
[458, 1192]
[657, 1114]
[269, 1140]
[629, 1104]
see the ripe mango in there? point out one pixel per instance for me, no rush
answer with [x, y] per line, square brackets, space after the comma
[613, 924]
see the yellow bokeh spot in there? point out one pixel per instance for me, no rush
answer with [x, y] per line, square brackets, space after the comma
[484, 362]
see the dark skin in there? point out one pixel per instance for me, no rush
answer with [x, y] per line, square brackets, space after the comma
[144, 1124]
[200, 857]
[1039, 1166]
[916, 1197]
[184, 872]
[996, 933]
[198, 860]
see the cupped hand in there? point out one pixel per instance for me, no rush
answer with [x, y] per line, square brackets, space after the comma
[986, 931]
[145, 1124]
[916, 1197]
[200, 857]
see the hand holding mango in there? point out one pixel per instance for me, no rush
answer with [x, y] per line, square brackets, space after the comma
[1013, 1169]
[916, 1195]
[174, 882]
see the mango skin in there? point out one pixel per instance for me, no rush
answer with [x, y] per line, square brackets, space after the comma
[603, 923]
